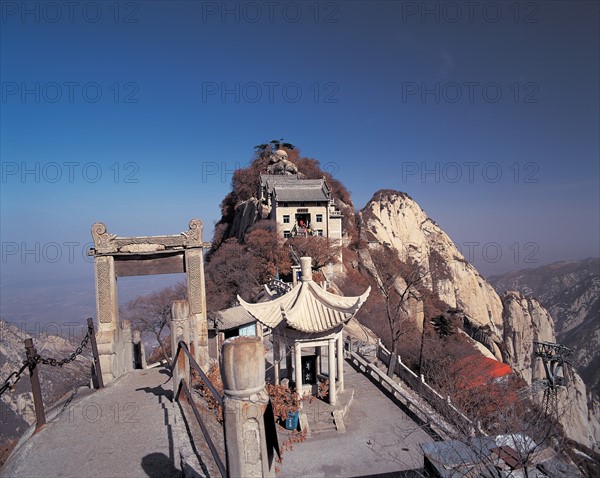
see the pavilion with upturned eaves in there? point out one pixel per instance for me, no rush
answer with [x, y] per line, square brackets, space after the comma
[308, 317]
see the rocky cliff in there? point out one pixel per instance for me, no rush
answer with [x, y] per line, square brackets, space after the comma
[525, 321]
[507, 327]
[570, 291]
[393, 218]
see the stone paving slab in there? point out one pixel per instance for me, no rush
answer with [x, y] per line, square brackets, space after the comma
[375, 426]
[122, 431]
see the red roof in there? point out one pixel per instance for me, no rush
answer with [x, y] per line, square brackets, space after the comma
[476, 370]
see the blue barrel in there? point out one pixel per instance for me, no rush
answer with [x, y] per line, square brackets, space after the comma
[291, 422]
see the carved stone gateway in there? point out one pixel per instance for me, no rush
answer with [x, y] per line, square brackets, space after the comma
[115, 257]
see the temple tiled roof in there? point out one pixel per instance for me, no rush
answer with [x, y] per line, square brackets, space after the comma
[291, 188]
[307, 308]
[300, 194]
[233, 317]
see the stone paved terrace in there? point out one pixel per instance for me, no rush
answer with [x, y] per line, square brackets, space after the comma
[372, 420]
[124, 430]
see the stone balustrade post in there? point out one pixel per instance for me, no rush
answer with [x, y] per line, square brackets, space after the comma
[126, 346]
[244, 405]
[140, 352]
[180, 330]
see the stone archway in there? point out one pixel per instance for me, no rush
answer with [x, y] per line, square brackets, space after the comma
[115, 257]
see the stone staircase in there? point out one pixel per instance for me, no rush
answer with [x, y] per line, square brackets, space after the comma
[323, 417]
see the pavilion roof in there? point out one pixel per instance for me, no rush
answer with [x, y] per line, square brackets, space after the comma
[307, 308]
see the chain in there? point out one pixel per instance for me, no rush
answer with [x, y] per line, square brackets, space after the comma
[59, 363]
[13, 378]
[30, 363]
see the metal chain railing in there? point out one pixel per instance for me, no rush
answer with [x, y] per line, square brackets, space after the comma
[13, 378]
[33, 358]
[59, 363]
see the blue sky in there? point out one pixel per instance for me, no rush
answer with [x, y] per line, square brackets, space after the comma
[136, 113]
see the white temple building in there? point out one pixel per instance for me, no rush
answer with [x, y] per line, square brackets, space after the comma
[308, 318]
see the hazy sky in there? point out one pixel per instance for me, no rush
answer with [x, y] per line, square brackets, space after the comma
[136, 113]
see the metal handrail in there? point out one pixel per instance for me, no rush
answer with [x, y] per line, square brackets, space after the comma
[183, 385]
[211, 445]
[196, 367]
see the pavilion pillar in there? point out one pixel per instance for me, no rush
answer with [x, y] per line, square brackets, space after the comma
[318, 353]
[331, 357]
[298, 367]
[340, 361]
[288, 363]
[276, 358]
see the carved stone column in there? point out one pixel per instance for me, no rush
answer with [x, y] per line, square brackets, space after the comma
[140, 353]
[107, 311]
[126, 347]
[180, 331]
[194, 263]
[244, 406]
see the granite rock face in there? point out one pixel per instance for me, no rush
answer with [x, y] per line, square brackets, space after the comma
[506, 327]
[246, 214]
[570, 291]
[395, 219]
[525, 321]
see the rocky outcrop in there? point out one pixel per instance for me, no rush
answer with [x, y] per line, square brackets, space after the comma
[506, 327]
[526, 321]
[395, 219]
[280, 164]
[246, 214]
[570, 291]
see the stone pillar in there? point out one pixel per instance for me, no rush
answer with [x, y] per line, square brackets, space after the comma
[126, 346]
[276, 358]
[137, 341]
[288, 362]
[294, 275]
[180, 331]
[318, 353]
[244, 404]
[306, 269]
[331, 357]
[107, 311]
[198, 340]
[298, 367]
[340, 361]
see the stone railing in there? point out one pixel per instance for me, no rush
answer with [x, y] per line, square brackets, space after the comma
[412, 405]
[442, 405]
[121, 351]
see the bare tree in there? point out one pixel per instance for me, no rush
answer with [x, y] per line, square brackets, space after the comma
[397, 282]
[150, 314]
[322, 250]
